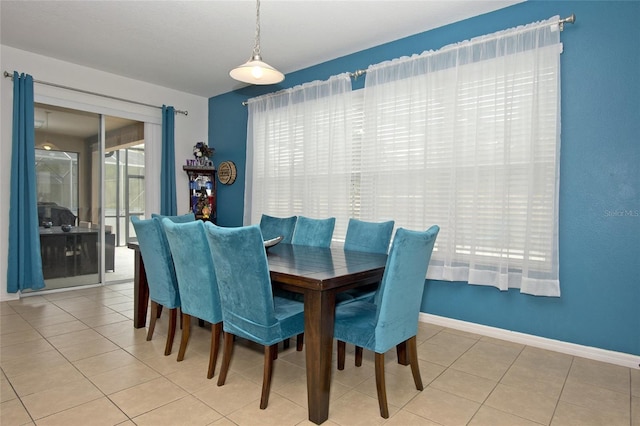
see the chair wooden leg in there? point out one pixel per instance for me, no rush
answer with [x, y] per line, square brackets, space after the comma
[152, 320]
[171, 332]
[159, 314]
[226, 358]
[381, 386]
[285, 344]
[186, 331]
[412, 350]
[358, 356]
[299, 342]
[266, 377]
[341, 354]
[216, 329]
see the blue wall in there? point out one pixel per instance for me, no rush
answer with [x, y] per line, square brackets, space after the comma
[599, 184]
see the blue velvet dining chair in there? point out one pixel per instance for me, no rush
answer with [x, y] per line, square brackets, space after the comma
[181, 218]
[313, 232]
[197, 283]
[369, 237]
[273, 227]
[394, 320]
[249, 309]
[161, 274]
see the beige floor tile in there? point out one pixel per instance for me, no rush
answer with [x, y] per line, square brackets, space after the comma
[550, 363]
[487, 416]
[107, 370]
[39, 322]
[12, 324]
[574, 415]
[601, 374]
[88, 349]
[17, 337]
[296, 391]
[104, 319]
[440, 354]
[123, 333]
[530, 379]
[60, 398]
[96, 413]
[427, 331]
[458, 340]
[531, 406]
[74, 338]
[12, 412]
[21, 351]
[105, 362]
[400, 387]
[233, 395]
[480, 365]
[6, 390]
[144, 350]
[62, 328]
[33, 362]
[283, 372]
[193, 378]
[504, 354]
[6, 309]
[405, 418]
[442, 407]
[465, 385]
[147, 396]
[594, 397]
[33, 381]
[279, 412]
[635, 382]
[168, 364]
[122, 378]
[344, 411]
[500, 342]
[353, 376]
[184, 411]
[121, 307]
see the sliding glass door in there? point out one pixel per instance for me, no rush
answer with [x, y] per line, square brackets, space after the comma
[83, 163]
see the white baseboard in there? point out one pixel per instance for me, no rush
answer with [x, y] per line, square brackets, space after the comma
[612, 357]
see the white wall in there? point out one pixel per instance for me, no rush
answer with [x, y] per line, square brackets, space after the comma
[189, 129]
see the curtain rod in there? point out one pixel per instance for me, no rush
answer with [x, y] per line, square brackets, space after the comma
[571, 19]
[177, 111]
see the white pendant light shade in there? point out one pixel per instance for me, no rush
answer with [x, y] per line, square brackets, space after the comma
[254, 71]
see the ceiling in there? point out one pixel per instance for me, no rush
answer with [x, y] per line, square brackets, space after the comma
[190, 46]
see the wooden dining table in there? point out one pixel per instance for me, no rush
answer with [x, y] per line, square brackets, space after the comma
[316, 273]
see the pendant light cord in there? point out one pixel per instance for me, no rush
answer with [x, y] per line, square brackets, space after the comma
[256, 47]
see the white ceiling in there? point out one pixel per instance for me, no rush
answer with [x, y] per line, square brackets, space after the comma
[190, 46]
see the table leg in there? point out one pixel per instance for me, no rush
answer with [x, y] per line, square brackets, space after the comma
[401, 350]
[140, 292]
[319, 314]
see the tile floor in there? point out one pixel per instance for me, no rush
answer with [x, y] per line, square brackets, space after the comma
[74, 358]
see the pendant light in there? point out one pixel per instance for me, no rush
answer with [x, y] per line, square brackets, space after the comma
[254, 71]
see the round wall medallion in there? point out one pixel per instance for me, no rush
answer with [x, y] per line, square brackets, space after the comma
[227, 172]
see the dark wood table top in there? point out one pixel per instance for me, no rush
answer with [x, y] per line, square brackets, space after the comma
[317, 268]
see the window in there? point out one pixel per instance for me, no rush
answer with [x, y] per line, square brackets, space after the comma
[467, 138]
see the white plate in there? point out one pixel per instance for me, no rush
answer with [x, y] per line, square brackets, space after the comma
[272, 242]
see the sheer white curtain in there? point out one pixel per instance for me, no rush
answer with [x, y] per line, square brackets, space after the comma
[152, 162]
[299, 152]
[468, 137]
